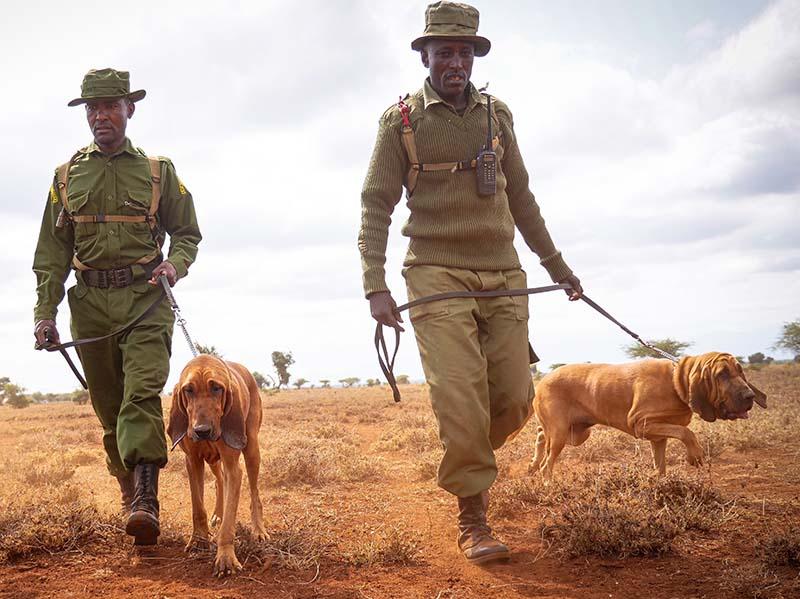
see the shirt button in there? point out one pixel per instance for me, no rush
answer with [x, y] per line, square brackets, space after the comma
[108, 163]
[111, 232]
[109, 197]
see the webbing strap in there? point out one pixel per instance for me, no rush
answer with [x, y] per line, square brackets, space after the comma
[111, 218]
[415, 166]
[155, 198]
[464, 165]
[62, 183]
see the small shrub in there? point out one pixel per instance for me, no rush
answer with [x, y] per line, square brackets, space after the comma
[781, 548]
[296, 545]
[54, 523]
[395, 546]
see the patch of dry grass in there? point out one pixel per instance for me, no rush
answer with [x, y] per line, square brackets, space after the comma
[394, 545]
[319, 456]
[411, 432]
[52, 522]
[621, 513]
[780, 548]
[297, 544]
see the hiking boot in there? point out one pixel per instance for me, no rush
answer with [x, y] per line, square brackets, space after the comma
[143, 521]
[475, 538]
[127, 487]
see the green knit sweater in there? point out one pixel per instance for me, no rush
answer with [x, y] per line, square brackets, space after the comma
[450, 224]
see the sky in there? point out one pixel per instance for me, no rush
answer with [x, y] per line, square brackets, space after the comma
[662, 140]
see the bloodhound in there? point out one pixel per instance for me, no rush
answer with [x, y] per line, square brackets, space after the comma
[216, 416]
[651, 399]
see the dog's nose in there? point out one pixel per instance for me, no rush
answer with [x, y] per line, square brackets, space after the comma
[203, 431]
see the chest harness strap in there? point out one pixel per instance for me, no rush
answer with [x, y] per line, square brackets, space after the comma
[410, 145]
[62, 183]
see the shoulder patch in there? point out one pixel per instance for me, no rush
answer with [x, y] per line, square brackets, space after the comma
[53, 194]
[181, 186]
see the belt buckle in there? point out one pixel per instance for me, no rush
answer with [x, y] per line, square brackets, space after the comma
[120, 277]
[102, 279]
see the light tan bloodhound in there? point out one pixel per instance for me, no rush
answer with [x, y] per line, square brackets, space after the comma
[215, 417]
[650, 399]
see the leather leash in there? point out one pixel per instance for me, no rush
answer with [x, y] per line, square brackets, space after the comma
[387, 364]
[62, 347]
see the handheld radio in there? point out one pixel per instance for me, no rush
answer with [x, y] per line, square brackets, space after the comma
[486, 163]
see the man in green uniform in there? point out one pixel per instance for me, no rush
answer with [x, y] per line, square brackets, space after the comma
[106, 216]
[474, 351]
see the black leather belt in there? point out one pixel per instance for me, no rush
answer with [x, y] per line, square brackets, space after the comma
[116, 278]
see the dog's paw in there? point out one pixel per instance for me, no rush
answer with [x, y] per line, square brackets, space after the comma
[695, 458]
[201, 544]
[215, 520]
[226, 563]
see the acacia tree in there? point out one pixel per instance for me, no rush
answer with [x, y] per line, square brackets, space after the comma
[281, 361]
[790, 338]
[326, 383]
[671, 346]
[211, 350]
[263, 382]
[349, 381]
[14, 396]
[402, 379]
[80, 396]
[299, 382]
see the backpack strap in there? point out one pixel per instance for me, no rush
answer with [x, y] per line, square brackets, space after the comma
[410, 145]
[62, 184]
[62, 181]
[155, 199]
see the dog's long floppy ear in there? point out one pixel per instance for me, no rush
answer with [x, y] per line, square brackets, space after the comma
[761, 397]
[178, 419]
[232, 421]
[700, 386]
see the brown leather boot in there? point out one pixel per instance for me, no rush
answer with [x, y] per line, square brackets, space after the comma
[127, 487]
[143, 523]
[475, 538]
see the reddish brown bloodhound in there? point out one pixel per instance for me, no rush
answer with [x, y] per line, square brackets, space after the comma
[216, 407]
[651, 399]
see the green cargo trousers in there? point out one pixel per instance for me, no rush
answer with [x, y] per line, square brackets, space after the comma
[475, 357]
[127, 373]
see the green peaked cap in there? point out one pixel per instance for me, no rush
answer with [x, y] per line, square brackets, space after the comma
[452, 20]
[107, 83]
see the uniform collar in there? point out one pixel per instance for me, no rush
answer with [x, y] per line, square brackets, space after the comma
[127, 146]
[430, 96]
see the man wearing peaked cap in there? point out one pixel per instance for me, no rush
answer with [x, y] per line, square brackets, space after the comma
[474, 352]
[106, 216]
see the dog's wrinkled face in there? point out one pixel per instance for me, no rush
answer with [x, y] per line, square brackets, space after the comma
[202, 392]
[732, 396]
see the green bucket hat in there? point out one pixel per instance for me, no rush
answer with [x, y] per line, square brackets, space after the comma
[107, 83]
[452, 20]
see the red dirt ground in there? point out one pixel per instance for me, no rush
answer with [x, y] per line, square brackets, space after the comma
[765, 484]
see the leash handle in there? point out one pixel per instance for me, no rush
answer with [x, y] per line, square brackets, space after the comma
[387, 363]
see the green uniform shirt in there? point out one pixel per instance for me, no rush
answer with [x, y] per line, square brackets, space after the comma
[117, 184]
[450, 224]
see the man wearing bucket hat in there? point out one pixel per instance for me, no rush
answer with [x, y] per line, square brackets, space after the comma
[106, 216]
[474, 352]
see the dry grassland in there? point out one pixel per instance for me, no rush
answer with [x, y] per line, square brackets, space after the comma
[353, 510]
